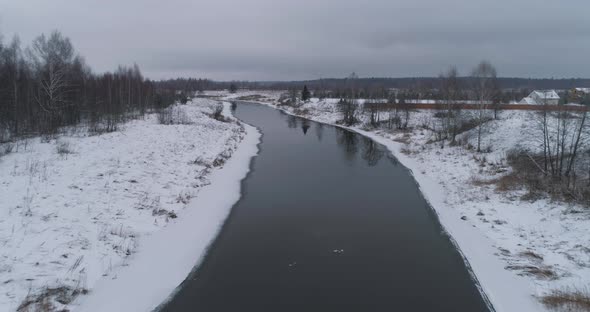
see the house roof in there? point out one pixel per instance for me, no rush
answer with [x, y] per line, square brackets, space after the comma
[545, 94]
[584, 90]
[528, 100]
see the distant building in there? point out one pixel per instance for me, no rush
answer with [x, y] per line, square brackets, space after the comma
[527, 101]
[579, 95]
[541, 97]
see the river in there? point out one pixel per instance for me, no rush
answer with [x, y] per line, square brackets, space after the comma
[328, 221]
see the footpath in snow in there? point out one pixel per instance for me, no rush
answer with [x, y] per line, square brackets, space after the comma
[518, 250]
[117, 215]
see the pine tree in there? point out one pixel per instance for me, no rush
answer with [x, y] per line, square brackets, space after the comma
[305, 94]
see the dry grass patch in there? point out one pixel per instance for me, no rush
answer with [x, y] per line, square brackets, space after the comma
[477, 181]
[301, 111]
[567, 300]
[540, 272]
[46, 299]
[405, 139]
[531, 255]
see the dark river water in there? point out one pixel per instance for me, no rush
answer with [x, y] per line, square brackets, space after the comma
[328, 221]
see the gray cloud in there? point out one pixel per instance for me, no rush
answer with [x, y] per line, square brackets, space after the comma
[264, 39]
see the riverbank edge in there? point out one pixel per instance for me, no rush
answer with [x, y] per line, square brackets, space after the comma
[502, 290]
[167, 257]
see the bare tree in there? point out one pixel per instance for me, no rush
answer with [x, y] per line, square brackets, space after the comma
[51, 57]
[484, 86]
[372, 109]
[348, 108]
[450, 91]
[11, 57]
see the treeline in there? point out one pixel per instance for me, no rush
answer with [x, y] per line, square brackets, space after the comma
[191, 85]
[423, 82]
[512, 89]
[48, 85]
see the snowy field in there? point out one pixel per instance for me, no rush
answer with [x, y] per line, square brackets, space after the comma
[77, 209]
[519, 250]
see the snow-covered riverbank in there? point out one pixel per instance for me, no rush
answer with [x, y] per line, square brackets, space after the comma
[87, 213]
[519, 250]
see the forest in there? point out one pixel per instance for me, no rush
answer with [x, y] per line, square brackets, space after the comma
[48, 85]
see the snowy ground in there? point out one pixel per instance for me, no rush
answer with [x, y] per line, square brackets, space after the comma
[69, 220]
[519, 250]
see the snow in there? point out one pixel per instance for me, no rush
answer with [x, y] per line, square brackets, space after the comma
[168, 256]
[500, 235]
[89, 218]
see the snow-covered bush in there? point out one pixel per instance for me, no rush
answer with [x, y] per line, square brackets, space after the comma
[63, 148]
[218, 113]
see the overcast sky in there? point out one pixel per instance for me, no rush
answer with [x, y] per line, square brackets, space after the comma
[307, 39]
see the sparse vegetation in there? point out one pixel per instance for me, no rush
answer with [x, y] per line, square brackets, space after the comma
[568, 299]
[348, 108]
[63, 148]
[527, 172]
[6, 148]
[218, 112]
[173, 115]
[45, 300]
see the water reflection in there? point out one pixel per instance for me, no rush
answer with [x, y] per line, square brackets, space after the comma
[292, 121]
[348, 141]
[319, 130]
[305, 126]
[372, 152]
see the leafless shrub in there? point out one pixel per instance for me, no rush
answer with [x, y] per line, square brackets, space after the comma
[532, 255]
[349, 110]
[477, 181]
[471, 123]
[107, 123]
[508, 182]
[63, 148]
[405, 139]
[45, 299]
[6, 148]
[569, 299]
[218, 113]
[173, 115]
[540, 272]
[528, 173]
[163, 212]
[183, 197]
[301, 111]
[145, 202]
[407, 150]
[219, 161]
[165, 116]
[201, 162]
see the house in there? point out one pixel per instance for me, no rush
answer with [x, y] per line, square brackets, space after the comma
[541, 97]
[527, 101]
[579, 95]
